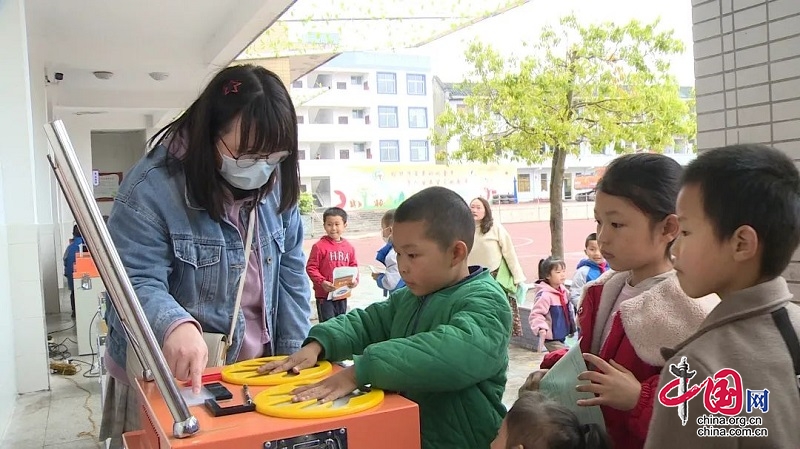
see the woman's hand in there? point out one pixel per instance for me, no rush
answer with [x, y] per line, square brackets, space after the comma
[302, 359]
[615, 386]
[186, 354]
[328, 286]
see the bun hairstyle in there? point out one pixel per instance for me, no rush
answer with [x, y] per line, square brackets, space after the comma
[537, 422]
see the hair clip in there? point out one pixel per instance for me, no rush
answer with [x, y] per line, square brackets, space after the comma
[231, 86]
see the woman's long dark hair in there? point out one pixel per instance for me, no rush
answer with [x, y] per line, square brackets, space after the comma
[487, 222]
[266, 110]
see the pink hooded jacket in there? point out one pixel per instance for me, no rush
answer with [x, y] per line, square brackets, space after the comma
[551, 311]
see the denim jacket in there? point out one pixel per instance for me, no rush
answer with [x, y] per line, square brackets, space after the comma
[183, 264]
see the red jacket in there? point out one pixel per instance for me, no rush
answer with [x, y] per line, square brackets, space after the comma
[662, 316]
[326, 255]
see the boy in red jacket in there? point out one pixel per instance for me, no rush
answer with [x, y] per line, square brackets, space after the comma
[330, 252]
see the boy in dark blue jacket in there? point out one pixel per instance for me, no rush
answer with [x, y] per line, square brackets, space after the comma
[69, 263]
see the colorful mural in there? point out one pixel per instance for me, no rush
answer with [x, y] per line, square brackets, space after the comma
[387, 187]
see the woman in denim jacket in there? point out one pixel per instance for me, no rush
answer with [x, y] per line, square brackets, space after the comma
[179, 223]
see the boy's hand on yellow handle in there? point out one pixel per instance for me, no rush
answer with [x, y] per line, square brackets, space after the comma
[302, 359]
[615, 386]
[332, 388]
[375, 276]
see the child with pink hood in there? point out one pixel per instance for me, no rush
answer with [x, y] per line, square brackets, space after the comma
[552, 317]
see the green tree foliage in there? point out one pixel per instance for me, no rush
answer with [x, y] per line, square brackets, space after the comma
[597, 85]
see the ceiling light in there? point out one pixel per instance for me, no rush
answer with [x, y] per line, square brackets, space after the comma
[159, 76]
[103, 74]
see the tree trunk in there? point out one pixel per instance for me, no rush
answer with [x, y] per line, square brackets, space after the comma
[556, 203]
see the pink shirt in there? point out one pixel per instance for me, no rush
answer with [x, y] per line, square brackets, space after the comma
[256, 334]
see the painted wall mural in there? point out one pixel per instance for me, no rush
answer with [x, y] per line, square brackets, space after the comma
[387, 187]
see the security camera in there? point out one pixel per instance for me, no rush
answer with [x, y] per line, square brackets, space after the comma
[59, 76]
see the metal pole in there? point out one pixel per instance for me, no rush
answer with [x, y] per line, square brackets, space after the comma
[120, 290]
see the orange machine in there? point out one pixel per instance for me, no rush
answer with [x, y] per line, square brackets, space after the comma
[394, 424]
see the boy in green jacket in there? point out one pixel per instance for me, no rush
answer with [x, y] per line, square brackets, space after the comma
[441, 342]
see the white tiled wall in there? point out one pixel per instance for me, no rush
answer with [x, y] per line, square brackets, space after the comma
[747, 64]
[23, 341]
[8, 385]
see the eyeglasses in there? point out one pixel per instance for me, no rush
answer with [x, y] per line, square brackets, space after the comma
[248, 160]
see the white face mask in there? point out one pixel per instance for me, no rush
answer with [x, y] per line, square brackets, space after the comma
[246, 178]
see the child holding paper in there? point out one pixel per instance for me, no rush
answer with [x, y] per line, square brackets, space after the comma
[629, 314]
[330, 252]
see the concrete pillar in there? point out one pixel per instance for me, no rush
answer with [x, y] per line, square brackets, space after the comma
[747, 69]
[46, 188]
[21, 296]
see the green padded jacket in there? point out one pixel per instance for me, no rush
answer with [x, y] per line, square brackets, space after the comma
[447, 351]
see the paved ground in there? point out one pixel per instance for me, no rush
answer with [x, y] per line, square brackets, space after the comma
[532, 242]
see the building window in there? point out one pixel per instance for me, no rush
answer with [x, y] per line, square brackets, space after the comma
[461, 107]
[358, 113]
[524, 183]
[356, 80]
[341, 86]
[390, 151]
[418, 150]
[387, 116]
[298, 84]
[415, 84]
[301, 119]
[359, 147]
[301, 155]
[545, 185]
[344, 154]
[417, 117]
[343, 120]
[387, 83]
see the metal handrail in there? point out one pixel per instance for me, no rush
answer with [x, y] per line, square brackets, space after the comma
[120, 290]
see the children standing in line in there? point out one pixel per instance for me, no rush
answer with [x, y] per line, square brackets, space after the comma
[535, 422]
[628, 315]
[739, 214]
[552, 317]
[589, 269]
[330, 252]
[442, 341]
[390, 279]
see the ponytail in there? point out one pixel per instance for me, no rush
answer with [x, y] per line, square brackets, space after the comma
[546, 266]
[594, 437]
